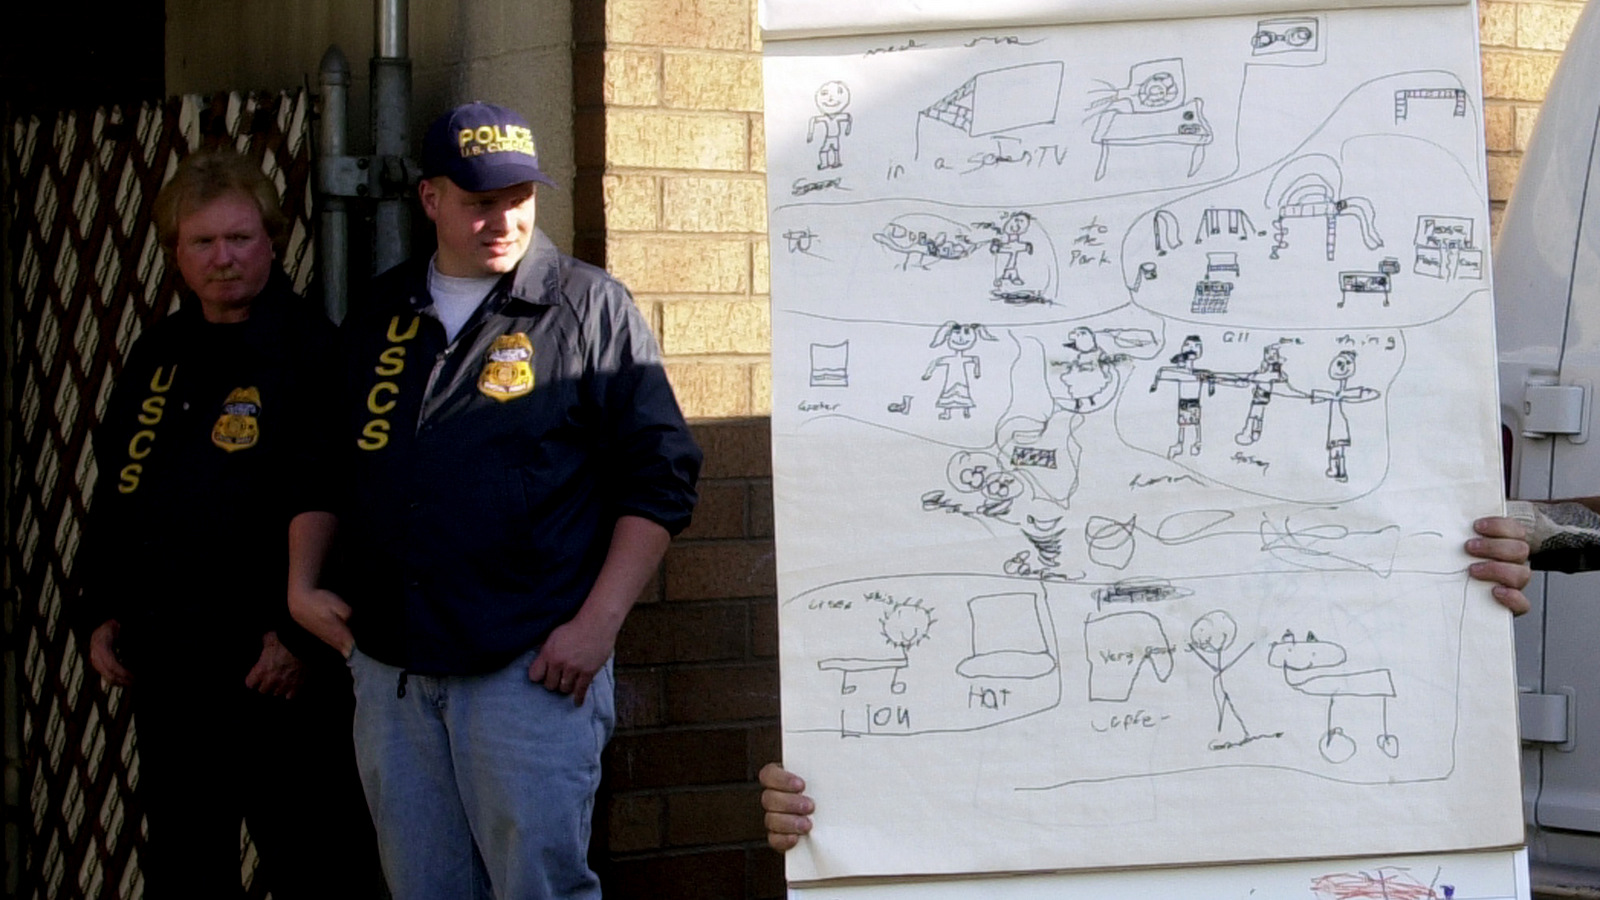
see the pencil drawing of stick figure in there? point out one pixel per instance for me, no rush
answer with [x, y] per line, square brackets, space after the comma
[1340, 370]
[1009, 245]
[832, 99]
[1299, 659]
[960, 367]
[1211, 636]
[1189, 381]
[1267, 377]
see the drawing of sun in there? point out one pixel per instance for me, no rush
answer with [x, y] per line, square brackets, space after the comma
[906, 624]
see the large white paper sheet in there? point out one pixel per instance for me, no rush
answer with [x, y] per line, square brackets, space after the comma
[825, 18]
[1132, 396]
[1492, 875]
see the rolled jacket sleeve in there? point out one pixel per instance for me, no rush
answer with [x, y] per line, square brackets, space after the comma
[652, 458]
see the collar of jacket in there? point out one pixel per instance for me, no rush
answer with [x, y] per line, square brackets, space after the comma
[264, 327]
[535, 281]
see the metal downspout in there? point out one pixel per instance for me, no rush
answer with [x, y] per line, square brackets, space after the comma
[391, 117]
[333, 237]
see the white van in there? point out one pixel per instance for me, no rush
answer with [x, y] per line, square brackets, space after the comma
[1547, 288]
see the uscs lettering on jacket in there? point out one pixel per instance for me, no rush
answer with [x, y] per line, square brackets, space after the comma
[483, 477]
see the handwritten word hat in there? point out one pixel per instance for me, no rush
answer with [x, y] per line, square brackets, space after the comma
[481, 147]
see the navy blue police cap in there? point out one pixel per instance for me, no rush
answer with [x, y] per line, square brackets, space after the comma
[481, 147]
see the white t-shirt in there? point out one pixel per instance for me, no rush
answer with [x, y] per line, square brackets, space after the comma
[455, 299]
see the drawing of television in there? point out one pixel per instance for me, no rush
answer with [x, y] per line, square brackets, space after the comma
[1001, 99]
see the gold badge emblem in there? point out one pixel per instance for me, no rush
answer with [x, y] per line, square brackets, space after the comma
[237, 428]
[508, 370]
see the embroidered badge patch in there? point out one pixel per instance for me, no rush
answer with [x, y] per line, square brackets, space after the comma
[508, 370]
[237, 428]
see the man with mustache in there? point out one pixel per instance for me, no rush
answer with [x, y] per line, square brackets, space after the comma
[240, 715]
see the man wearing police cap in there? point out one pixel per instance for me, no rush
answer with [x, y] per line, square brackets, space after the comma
[514, 463]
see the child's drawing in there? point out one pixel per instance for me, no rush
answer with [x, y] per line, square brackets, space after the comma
[1190, 381]
[832, 99]
[1315, 668]
[1211, 639]
[1151, 109]
[1001, 100]
[1341, 369]
[1045, 601]
[1309, 187]
[960, 367]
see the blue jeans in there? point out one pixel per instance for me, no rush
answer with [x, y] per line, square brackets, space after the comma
[481, 786]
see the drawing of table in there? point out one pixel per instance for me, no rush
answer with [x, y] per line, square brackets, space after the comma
[1185, 125]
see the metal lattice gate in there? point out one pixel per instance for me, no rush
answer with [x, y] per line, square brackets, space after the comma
[89, 275]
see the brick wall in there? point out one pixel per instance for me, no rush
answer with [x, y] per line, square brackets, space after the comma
[671, 170]
[670, 196]
[1522, 41]
[697, 696]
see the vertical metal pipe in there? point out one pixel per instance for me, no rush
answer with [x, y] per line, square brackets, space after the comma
[333, 238]
[391, 118]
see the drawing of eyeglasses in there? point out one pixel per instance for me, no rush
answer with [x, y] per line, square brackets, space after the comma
[1284, 35]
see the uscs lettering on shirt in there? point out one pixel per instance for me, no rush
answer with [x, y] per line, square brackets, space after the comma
[381, 397]
[143, 440]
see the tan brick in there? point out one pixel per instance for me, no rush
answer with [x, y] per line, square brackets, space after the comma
[1517, 75]
[758, 144]
[656, 265]
[652, 314]
[761, 391]
[1497, 215]
[761, 271]
[1527, 117]
[633, 78]
[711, 390]
[714, 204]
[1502, 176]
[632, 202]
[1497, 24]
[705, 327]
[1546, 26]
[723, 81]
[663, 140]
[708, 24]
[1499, 127]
